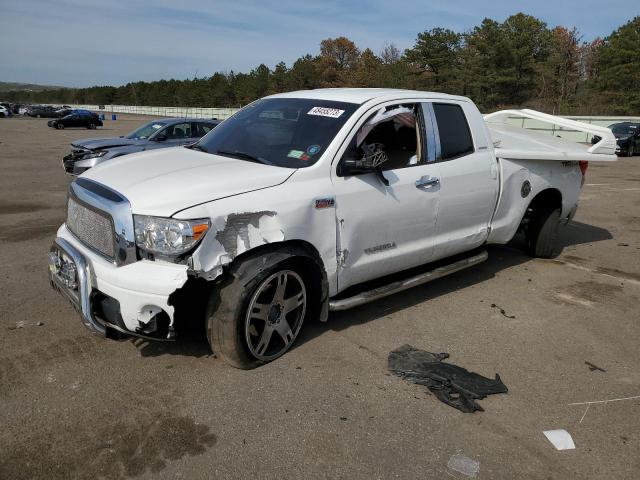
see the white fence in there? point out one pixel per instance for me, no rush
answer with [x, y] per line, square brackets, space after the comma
[223, 113]
[191, 112]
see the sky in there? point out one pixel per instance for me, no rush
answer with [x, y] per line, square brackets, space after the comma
[79, 43]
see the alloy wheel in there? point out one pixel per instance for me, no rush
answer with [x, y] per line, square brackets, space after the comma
[275, 314]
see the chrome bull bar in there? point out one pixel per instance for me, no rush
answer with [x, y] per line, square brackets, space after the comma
[73, 281]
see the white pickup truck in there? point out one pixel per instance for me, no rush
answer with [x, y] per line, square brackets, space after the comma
[307, 202]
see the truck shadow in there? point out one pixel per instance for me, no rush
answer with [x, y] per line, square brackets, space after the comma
[500, 258]
[193, 341]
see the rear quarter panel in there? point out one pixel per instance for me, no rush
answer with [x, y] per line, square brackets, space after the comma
[541, 174]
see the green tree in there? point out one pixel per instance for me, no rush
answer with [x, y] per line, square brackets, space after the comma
[435, 57]
[368, 70]
[338, 61]
[561, 71]
[615, 81]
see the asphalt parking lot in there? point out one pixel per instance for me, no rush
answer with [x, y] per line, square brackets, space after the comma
[76, 406]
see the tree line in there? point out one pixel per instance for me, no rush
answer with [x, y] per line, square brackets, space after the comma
[516, 63]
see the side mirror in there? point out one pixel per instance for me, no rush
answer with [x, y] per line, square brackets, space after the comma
[373, 157]
[160, 138]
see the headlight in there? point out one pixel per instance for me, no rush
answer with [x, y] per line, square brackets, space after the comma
[99, 154]
[168, 236]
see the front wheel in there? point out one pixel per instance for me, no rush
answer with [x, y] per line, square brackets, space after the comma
[255, 321]
[59, 126]
[631, 151]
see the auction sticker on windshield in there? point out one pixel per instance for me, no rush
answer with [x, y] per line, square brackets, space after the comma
[325, 112]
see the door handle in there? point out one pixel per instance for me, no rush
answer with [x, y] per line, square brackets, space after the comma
[427, 182]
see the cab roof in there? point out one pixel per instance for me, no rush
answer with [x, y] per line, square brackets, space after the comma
[363, 95]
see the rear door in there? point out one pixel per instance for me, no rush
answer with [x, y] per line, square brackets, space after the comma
[178, 134]
[75, 120]
[199, 130]
[469, 183]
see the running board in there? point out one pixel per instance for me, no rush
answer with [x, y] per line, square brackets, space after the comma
[399, 286]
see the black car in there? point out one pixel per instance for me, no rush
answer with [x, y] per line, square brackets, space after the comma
[627, 137]
[77, 118]
[168, 132]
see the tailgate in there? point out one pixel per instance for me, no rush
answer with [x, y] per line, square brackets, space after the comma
[517, 143]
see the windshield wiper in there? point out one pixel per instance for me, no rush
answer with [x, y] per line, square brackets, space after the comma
[244, 155]
[195, 146]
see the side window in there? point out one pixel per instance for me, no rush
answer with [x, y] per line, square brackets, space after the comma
[393, 132]
[179, 130]
[201, 129]
[455, 136]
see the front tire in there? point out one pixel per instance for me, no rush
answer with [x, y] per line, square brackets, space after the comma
[630, 151]
[59, 126]
[542, 234]
[252, 321]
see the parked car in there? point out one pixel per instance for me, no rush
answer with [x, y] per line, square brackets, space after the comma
[306, 202]
[40, 111]
[7, 109]
[63, 112]
[78, 118]
[627, 137]
[168, 132]
[4, 112]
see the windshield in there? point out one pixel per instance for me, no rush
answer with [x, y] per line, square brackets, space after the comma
[624, 129]
[287, 132]
[145, 131]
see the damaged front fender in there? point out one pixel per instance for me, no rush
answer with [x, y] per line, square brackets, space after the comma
[232, 235]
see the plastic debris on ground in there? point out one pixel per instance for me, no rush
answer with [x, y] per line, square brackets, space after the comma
[561, 439]
[451, 384]
[464, 465]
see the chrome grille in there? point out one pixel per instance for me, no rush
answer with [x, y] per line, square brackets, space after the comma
[92, 228]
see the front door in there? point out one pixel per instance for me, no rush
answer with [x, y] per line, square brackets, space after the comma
[382, 229]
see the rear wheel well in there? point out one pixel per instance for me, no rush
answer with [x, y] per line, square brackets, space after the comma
[543, 203]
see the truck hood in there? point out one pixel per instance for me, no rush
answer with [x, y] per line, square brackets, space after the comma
[163, 182]
[102, 143]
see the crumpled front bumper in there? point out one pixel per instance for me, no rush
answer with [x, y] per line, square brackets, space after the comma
[140, 290]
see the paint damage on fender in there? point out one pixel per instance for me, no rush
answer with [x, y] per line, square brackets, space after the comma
[232, 235]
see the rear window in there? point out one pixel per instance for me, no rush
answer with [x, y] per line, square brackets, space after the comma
[455, 136]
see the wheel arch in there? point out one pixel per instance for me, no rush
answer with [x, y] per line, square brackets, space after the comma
[249, 263]
[546, 200]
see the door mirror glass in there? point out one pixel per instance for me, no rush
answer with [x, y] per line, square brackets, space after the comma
[366, 158]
